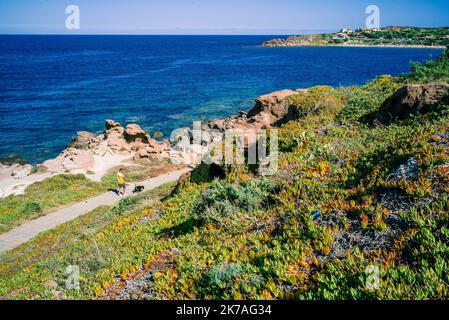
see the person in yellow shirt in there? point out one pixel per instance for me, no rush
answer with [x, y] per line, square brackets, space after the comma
[121, 181]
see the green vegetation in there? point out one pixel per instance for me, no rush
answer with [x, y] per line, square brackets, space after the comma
[317, 99]
[42, 197]
[226, 205]
[364, 100]
[38, 169]
[389, 36]
[431, 71]
[46, 252]
[247, 237]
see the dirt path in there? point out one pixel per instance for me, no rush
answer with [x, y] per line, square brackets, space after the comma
[30, 229]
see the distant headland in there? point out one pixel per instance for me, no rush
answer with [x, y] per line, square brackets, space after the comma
[393, 36]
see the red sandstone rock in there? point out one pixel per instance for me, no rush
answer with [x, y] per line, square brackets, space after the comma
[267, 112]
[134, 131]
[413, 99]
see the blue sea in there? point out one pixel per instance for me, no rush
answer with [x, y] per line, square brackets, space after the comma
[53, 86]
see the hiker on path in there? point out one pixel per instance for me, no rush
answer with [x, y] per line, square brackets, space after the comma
[121, 181]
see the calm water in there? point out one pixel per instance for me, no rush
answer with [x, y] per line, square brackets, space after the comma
[53, 86]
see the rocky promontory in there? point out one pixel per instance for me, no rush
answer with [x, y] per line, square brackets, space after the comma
[393, 36]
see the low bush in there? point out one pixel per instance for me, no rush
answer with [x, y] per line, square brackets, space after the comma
[230, 280]
[430, 71]
[319, 99]
[365, 100]
[229, 205]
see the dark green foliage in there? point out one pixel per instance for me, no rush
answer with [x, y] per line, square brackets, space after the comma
[364, 101]
[30, 207]
[431, 71]
[206, 173]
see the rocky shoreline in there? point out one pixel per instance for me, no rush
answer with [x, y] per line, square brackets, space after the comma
[388, 37]
[279, 43]
[95, 155]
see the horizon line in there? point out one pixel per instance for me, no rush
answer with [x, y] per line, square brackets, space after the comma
[143, 34]
[276, 32]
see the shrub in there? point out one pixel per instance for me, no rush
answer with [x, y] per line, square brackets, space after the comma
[30, 207]
[222, 276]
[227, 204]
[319, 99]
[38, 169]
[430, 71]
[229, 280]
[365, 100]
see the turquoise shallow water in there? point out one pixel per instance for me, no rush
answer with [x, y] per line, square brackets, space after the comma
[53, 86]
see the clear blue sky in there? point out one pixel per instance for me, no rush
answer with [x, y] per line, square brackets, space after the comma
[214, 16]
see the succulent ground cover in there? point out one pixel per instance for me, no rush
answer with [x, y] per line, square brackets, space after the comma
[41, 198]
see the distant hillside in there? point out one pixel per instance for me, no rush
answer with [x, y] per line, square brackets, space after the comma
[390, 36]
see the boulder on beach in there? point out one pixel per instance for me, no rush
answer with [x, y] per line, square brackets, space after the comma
[8, 161]
[87, 151]
[151, 149]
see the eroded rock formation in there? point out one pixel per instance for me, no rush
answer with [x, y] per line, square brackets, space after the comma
[413, 99]
[268, 110]
[88, 150]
